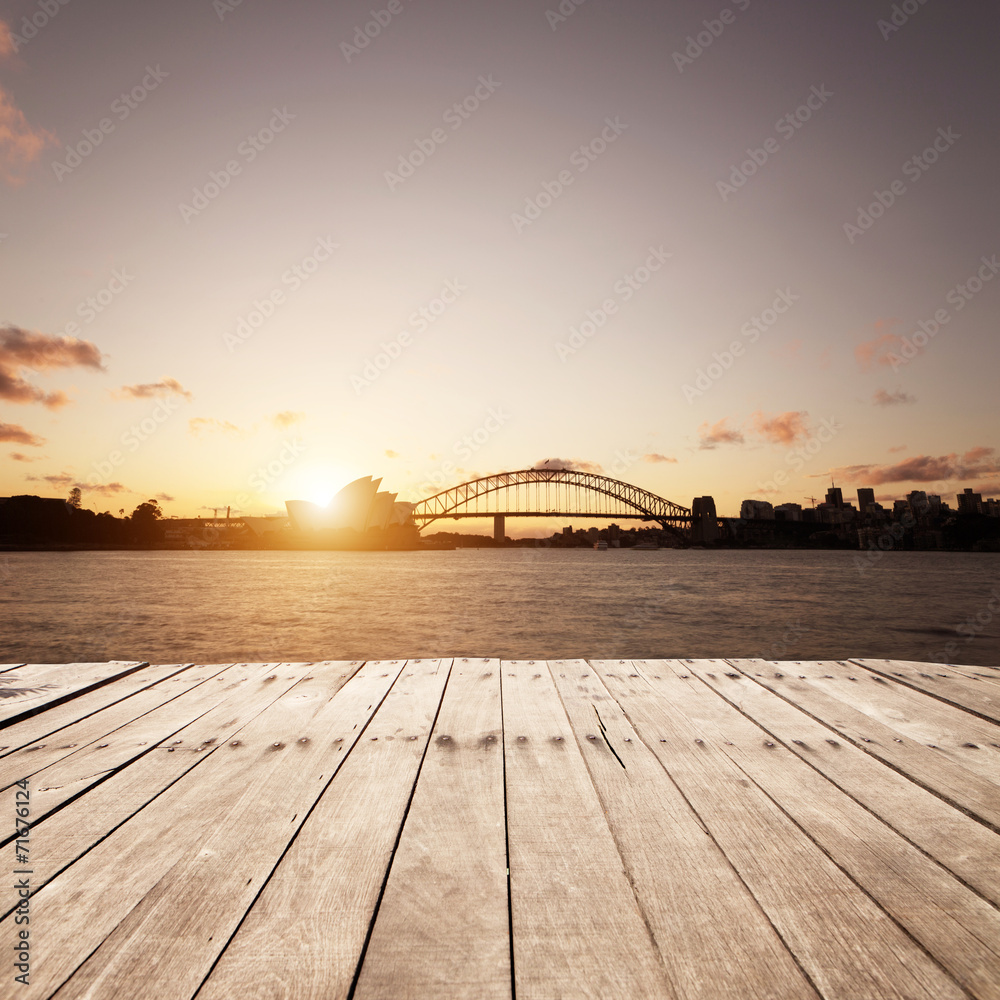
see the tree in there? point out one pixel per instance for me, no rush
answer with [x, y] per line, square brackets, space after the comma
[144, 522]
[75, 498]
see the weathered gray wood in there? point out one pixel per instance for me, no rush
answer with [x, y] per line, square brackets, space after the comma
[86, 753]
[966, 740]
[982, 699]
[56, 718]
[442, 928]
[148, 909]
[962, 845]
[28, 689]
[957, 927]
[844, 941]
[71, 739]
[716, 942]
[305, 933]
[78, 825]
[577, 928]
[925, 765]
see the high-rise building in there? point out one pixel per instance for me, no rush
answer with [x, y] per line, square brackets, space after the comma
[866, 495]
[970, 503]
[835, 496]
[756, 510]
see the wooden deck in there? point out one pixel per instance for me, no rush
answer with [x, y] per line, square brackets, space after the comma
[482, 829]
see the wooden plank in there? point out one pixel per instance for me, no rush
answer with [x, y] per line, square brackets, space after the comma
[87, 752]
[141, 908]
[83, 822]
[305, 934]
[578, 930]
[957, 927]
[965, 847]
[55, 718]
[928, 767]
[682, 879]
[4, 667]
[442, 928]
[949, 669]
[42, 752]
[27, 691]
[844, 942]
[983, 699]
[965, 739]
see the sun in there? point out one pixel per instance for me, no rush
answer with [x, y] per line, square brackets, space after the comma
[318, 484]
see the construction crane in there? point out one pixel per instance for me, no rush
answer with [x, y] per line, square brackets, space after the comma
[813, 499]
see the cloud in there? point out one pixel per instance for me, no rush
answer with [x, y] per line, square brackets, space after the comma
[974, 455]
[389, 453]
[18, 457]
[60, 480]
[105, 489]
[202, 425]
[718, 433]
[883, 398]
[656, 457]
[988, 489]
[572, 464]
[147, 390]
[16, 434]
[877, 351]
[898, 447]
[7, 47]
[20, 143]
[782, 428]
[21, 349]
[789, 351]
[924, 469]
[286, 418]
[165, 498]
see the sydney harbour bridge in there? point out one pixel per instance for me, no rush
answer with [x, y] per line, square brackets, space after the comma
[555, 493]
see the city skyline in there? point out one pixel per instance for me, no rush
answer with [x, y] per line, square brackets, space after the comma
[257, 254]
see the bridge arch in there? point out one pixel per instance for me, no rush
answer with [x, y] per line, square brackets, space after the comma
[551, 493]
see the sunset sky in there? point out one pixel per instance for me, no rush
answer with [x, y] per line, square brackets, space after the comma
[252, 251]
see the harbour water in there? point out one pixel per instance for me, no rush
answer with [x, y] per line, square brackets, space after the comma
[220, 606]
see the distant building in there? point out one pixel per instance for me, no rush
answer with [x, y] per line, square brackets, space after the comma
[991, 508]
[866, 496]
[970, 503]
[704, 521]
[756, 510]
[835, 497]
[358, 506]
[788, 512]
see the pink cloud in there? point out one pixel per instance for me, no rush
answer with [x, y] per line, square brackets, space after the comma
[718, 433]
[656, 457]
[20, 349]
[16, 434]
[781, 428]
[883, 398]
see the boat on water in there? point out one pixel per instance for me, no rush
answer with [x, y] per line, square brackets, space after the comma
[600, 546]
[646, 546]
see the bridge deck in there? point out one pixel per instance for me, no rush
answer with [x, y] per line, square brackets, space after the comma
[471, 828]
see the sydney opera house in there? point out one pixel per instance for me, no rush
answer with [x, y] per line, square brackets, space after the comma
[358, 511]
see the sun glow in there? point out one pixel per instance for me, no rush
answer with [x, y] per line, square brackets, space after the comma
[317, 484]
